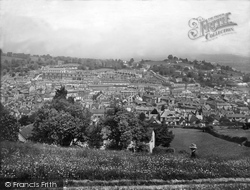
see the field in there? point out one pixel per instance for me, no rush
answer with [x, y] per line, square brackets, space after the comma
[207, 144]
[235, 132]
[42, 161]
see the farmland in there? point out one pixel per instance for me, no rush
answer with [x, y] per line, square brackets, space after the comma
[208, 145]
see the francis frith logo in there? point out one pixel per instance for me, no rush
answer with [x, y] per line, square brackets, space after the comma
[210, 28]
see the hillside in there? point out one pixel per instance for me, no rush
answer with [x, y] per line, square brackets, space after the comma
[207, 144]
[238, 62]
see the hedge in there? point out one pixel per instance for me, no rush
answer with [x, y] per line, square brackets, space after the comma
[239, 140]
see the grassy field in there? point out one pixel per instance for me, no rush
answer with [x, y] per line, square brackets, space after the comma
[41, 161]
[207, 144]
[234, 132]
[172, 187]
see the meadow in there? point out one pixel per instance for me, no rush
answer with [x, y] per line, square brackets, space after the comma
[40, 161]
[207, 145]
[234, 132]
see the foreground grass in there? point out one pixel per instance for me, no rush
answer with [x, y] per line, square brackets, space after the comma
[207, 144]
[50, 162]
[173, 187]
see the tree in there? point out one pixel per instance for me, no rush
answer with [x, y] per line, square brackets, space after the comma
[61, 93]
[32, 117]
[163, 137]
[24, 120]
[9, 125]
[131, 61]
[142, 116]
[60, 122]
[71, 100]
[95, 136]
[186, 69]
[123, 127]
[209, 119]
[170, 57]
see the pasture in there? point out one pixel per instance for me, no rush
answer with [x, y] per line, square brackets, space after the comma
[234, 132]
[207, 144]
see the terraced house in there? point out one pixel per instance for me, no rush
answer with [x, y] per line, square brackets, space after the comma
[68, 73]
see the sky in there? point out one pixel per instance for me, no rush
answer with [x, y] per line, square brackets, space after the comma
[118, 29]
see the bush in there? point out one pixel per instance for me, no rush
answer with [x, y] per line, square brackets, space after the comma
[142, 147]
[163, 150]
[239, 140]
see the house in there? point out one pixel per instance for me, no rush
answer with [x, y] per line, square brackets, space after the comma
[97, 112]
[149, 98]
[139, 102]
[154, 113]
[243, 110]
[145, 110]
[170, 117]
[235, 117]
[192, 119]
[248, 118]
[169, 100]
[199, 114]
[223, 105]
[25, 133]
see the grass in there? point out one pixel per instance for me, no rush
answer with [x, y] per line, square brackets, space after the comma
[207, 144]
[234, 132]
[40, 161]
[173, 187]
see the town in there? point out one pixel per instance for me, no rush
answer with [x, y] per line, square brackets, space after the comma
[175, 91]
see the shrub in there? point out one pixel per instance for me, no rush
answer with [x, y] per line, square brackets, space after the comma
[163, 150]
[239, 140]
[142, 147]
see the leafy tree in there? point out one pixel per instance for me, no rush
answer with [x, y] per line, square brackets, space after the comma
[61, 93]
[142, 116]
[9, 125]
[131, 61]
[170, 57]
[32, 117]
[209, 119]
[123, 127]
[71, 100]
[186, 69]
[246, 78]
[95, 136]
[163, 137]
[24, 120]
[60, 122]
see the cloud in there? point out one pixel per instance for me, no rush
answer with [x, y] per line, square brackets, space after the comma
[118, 29]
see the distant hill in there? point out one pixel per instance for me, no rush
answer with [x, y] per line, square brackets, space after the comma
[238, 62]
